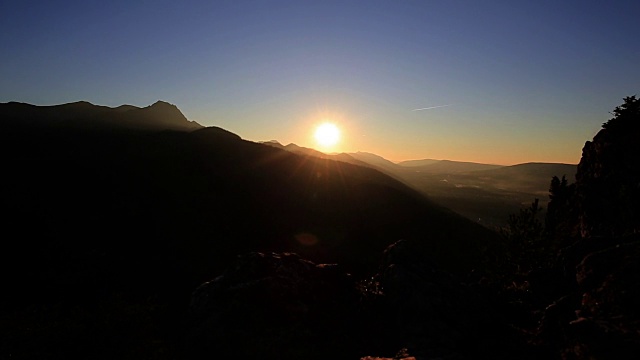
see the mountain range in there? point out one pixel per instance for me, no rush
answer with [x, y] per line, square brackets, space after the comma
[82, 114]
[134, 233]
[485, 193]
[114, 209]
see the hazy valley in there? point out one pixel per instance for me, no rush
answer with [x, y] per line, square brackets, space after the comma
[484, 193]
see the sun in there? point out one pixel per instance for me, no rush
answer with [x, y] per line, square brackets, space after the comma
[327, 134]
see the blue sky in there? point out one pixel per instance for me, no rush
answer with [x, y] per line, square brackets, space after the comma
[527, 81]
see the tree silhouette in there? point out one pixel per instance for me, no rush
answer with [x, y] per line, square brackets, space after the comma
[625, 116]
[523, 234]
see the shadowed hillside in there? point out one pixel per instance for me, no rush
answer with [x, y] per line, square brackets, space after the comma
[114, 218]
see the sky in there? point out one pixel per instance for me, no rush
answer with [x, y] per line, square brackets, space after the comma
[524, 81]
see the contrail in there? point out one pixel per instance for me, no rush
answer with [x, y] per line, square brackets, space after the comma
[432, 107]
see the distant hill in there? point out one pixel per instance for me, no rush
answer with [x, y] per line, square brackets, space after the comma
[485, 193]
[422, 162]
[297, 149]
[376, 160]
[446, 166]
[530, 177]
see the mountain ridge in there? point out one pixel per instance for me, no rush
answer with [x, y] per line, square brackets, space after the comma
[160, 115]
[212, 166]
[484, 193]
[377, 160]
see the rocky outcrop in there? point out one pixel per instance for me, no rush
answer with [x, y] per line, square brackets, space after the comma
[608, 177]
[595, 316]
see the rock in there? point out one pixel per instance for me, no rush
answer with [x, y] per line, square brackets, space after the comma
[271, 305]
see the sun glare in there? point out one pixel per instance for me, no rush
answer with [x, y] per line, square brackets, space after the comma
[327, 135]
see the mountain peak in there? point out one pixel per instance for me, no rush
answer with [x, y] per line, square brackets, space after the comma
[81, 103]
[166, 114]
[161, 103]
[165, 107]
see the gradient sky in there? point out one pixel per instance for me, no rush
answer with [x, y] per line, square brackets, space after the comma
[526, 80]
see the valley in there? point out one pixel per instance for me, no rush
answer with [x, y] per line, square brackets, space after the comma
[484, 193]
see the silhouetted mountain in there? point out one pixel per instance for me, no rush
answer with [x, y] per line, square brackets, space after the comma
[110, 227]
[303, 151]
[297, 149]
[159, 116]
